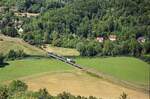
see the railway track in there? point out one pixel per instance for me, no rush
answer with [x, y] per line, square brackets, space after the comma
[64, 59]
[100, 74]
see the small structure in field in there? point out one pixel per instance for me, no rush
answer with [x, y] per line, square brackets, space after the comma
[100, 39]
[20, 30]
[112, 37]
[141, 39]
[70, 60]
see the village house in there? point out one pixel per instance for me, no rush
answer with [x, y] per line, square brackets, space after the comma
[141, 39]
[100, 39]
[20, 30]
[112, 37]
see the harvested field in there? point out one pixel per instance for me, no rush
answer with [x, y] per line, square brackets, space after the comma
[79, 83]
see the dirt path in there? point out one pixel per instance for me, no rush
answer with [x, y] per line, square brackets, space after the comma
[79, 83]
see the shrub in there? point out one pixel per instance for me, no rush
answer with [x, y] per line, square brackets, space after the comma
[17, 86]
[1, 59]
[43, 94]
[123, 96]
[4, 92]
[12, 55]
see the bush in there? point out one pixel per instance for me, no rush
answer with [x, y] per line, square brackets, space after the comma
[12, 55]
[65, 95]
[10, 31]
[43, 94]
[89, 48]
[17, 86]
[1, 59]
[4, 92]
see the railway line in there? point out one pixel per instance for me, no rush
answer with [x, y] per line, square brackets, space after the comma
[98, 74]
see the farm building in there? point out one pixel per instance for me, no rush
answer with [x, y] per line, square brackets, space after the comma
[141, 39]
[20, 30]
[100, 39]
[112, 37]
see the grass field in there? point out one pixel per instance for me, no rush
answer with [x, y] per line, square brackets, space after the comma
[8, 43]
[29, 67]
[80, 83]
[124, 68]
[58, 77]
[62, 51]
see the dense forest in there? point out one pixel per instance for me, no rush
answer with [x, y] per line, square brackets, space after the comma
[77, 24]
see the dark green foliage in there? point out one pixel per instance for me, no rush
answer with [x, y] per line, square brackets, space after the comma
[4, 92]
[146, 47]
[65, 95]
[69, 25]
[10, 31]
[17, 86]
[89, 48]
[8, 24]
[1, 59]
[77, 23]
[36, 6]
[108, 47]
[12, 55]
[43, 94]
[94, 17]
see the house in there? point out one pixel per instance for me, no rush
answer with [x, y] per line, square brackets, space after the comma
[112, 37]
[141, 39]
[100, 39]
[20, 30]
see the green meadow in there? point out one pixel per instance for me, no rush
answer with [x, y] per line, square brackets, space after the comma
[28, 67]
[123, 68]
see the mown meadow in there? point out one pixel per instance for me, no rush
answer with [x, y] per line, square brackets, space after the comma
[123, 68]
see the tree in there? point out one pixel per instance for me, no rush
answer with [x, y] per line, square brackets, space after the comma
[107, 47]
[146, 47]
[56, 41]
[4, 92]
[46, 37]
[1, 59]
[91, 49]
[21, 5]
[84, 28]
[43, 94]
[10, 31]
[81, 48]
[17, 86]
[12, 55]
[134, 47]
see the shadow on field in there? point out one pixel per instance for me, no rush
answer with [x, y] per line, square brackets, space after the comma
[3, 65]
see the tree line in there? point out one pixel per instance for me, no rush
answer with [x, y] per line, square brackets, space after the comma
[12, 55]
[80, 22]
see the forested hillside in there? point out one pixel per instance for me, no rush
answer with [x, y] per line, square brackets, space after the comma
[77, 24]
